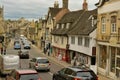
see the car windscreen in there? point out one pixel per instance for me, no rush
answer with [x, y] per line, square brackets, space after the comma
[85, 74]
[42, 61]
[29, 77]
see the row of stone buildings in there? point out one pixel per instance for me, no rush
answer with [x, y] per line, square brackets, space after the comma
[90, 35]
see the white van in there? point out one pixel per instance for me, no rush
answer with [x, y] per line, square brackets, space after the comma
[8, 63]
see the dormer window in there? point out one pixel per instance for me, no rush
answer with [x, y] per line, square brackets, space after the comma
[57, 26]
[68, 25]
[62, 26]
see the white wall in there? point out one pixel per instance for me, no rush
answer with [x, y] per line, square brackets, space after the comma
[82, 49]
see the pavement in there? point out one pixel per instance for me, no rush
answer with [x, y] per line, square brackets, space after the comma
[65, 64]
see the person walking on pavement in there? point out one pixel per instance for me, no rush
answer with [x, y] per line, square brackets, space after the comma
[48, 52]
[2, 50]
[5, 51]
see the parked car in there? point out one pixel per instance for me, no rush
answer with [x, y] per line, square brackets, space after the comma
[75, 73]
[40, 63]
[17, 46]
[23, 54]
[23, 74]
[27, 46]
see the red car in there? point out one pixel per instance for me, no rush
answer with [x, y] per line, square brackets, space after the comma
[23, 74]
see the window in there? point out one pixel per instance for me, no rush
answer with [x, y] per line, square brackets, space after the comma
[72, 40]
[68, 25]
[79, 40]
[62, 26]
[57, 26]
[118, 51]
[113, 24]
[113, 50]
[86, 42]
[103, 24]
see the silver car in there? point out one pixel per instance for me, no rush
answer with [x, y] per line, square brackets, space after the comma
[39, 63]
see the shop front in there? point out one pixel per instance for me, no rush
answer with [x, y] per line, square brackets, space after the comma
[109, 61]
[60, 51]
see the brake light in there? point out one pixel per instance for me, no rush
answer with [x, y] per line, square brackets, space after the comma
[77, 79]
[36, 64]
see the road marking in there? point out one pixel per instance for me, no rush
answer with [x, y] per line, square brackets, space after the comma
[50, 73]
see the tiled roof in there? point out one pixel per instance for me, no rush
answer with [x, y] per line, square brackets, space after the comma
[69, 17]
[80, 25]
[84, 24]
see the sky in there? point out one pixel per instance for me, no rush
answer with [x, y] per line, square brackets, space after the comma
[35, 9]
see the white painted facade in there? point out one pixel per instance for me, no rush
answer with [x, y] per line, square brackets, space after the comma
[83, 49]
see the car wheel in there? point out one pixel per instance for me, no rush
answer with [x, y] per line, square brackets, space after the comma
[54, 78]
[48, 70]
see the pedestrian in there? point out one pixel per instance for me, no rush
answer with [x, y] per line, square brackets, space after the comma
[2, 50]
[60, 57]
[48, 52]
[44, 50]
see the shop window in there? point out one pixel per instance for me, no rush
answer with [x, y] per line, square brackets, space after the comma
[103, 56]
[118, 51]
[113, 50]
[118, 73]
[118, 62]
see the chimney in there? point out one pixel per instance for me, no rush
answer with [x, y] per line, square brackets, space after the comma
[65, 4]
[85, 5]
[56, 5]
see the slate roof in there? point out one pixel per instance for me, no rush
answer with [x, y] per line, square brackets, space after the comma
[69, 17]
[54, 11]
[84, 24]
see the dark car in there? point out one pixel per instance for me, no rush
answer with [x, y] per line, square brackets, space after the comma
[75, 73]
[23, 74]
[23, 54]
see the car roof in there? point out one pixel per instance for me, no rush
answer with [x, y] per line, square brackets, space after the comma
[79, 68]
[41, 58]
[26, 71]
